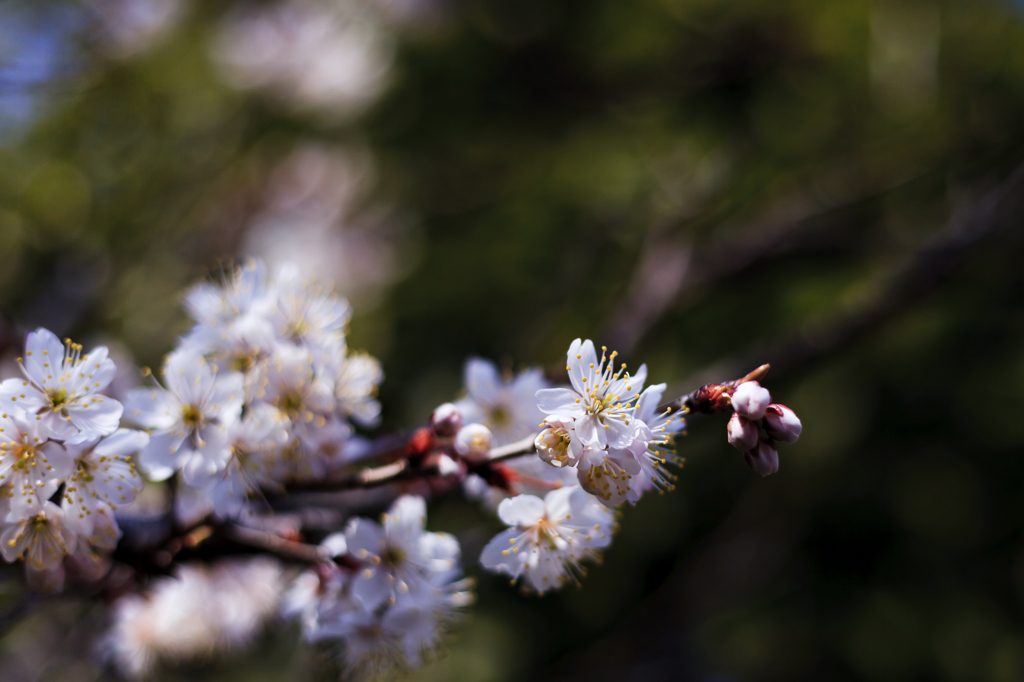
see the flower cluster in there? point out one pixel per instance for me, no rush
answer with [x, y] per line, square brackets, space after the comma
[261, 391]
[64, 464]
[608, 428]
[753, 410]
[192, 614]
[388, 596]
[262, 396]
[601, 442]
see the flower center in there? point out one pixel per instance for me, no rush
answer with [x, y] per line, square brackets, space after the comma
[290, 403]
[191, 416]
[58, 399]
[392, 556]
[500, 416]
[243, 362]
[25, 457]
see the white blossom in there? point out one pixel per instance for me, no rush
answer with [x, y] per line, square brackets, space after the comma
[63, 388]
[399, 556]
[355, 388]
[188, 417]
[28, 461]
[557, 443]
[658, 432]
[40, 536]
[104, 476]
[508, 407]
[548, 538]
[196, 612]
[254, 444]
[600, 399]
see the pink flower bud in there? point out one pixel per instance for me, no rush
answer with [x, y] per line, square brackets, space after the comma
[743, 433]
[473, 441]
[446, 420]
[781, 423]
[764, 459]
[750, 400]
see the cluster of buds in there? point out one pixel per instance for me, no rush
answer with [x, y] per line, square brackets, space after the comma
[757, 424]
[458, 444]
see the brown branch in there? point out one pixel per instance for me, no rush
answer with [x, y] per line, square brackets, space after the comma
[282, 548]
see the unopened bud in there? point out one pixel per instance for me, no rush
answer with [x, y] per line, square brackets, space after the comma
[473, 441]
[750, 400]
[743, 433]
[446, 420]
[556, 446]
[764, 459]
[781, 423]
[710, 399]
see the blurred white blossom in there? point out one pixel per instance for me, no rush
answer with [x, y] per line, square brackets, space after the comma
[330, 57]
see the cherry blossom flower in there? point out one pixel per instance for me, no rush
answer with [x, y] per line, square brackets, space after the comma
[548, 538]
[307, 316]
[600, 399]
[63, 388]
[507, 407]
[28, 461]
[254, 443]
[40, 536]
[398, 556]
[103, 475]
[658, 432]
[188, 417]
[557, 444]
[355, 388]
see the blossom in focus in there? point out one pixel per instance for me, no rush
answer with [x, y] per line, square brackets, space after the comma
[506, 406]
[556, 443]
[63, 388]
[599, 400]
[658, 431]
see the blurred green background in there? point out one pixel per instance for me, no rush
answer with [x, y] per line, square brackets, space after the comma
[703, 184]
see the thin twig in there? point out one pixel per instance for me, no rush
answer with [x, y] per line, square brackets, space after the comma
[276, 545]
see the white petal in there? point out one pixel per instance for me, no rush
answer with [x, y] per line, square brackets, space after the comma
[521, 510]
